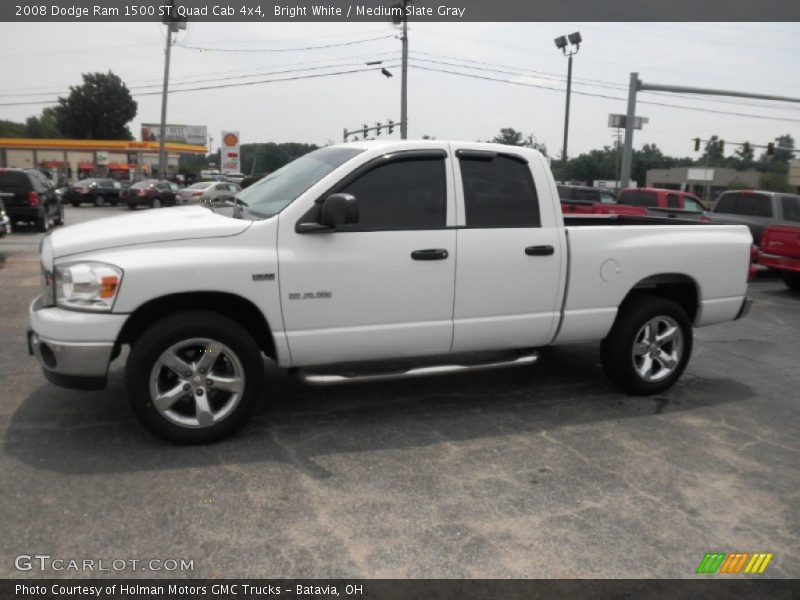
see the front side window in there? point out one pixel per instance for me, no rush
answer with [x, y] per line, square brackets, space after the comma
[402, 194]
[638, 198]
[498, 192]
[690, 204]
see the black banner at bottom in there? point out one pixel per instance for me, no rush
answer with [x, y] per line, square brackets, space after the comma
[391, 589]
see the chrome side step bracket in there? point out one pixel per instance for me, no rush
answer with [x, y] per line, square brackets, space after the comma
[321, 379]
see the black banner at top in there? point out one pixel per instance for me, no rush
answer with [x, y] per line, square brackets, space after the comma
[383, 10]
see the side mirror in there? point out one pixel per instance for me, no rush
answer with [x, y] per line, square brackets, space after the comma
[338, 210]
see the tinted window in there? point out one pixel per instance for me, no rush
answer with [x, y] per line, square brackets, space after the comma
[673, 201]
[564, 192]
[14, 181]
[791, 208]
[580, 194]
[141, 185]
[221, 187]
[403, 194]
[499, 192]
[726, 204]
[754, 205]
[637, 198]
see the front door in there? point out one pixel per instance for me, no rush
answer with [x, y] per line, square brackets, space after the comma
[382, 287]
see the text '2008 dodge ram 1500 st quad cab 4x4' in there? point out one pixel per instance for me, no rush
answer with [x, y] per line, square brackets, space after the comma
[368, 251]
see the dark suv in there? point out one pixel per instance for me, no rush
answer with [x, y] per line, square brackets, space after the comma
[28, 196]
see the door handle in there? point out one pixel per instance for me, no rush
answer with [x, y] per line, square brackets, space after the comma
[540, 250]
[430, 254]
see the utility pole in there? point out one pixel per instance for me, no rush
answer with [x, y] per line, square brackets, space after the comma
[162, 156]
[173, 23]
[562, 43]
[404, 77]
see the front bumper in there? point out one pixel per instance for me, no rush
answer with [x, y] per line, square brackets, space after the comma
[74, 348]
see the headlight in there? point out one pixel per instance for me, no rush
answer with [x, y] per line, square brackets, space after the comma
[87, 285]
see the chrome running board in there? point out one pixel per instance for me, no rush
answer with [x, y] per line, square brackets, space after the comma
[321, 379]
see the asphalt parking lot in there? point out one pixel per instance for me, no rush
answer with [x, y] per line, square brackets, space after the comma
[546, 471]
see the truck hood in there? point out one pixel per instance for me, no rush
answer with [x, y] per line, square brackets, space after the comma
[147, 226]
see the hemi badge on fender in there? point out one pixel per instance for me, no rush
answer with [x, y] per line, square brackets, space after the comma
[263, 276]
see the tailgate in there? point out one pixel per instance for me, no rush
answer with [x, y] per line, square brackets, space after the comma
[781, 240]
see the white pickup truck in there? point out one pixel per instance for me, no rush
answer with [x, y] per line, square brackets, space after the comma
[372, 251]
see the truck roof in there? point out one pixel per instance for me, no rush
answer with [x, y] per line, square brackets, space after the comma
[399, 144]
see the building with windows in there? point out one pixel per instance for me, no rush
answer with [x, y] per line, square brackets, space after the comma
[77, 159]
[705, 182]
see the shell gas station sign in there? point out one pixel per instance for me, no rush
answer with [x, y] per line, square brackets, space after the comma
[230, 161]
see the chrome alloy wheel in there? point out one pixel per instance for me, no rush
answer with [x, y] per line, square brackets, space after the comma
[658, 348]
[197, 383]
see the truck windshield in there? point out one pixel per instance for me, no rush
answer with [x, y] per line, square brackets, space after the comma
[274, 192]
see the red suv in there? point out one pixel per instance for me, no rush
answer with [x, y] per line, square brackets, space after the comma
[655, 200]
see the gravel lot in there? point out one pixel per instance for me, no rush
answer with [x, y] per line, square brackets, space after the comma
[545, 471]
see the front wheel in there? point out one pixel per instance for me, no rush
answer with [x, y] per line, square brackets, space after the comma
[60, 216]
[648, 346]
[155, 203]
[43, 224]
[98, 200]
[194, 377]
[792, 280]
[132, 205]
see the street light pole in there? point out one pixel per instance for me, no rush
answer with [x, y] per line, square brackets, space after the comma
[566, 117]
[561, 43]
[404, 77]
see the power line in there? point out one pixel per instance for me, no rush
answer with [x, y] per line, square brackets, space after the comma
[337, 45]
[594, 95]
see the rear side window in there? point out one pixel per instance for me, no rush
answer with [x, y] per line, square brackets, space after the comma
[564, 192]
[754, 205]
[637, 198]
[673, 201]
[591, 195]
[14, 182]
[499, 192]
[726, 204]
[403, 194]
[791, 208]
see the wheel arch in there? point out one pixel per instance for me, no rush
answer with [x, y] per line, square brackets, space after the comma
[678, 287]
[235, 307]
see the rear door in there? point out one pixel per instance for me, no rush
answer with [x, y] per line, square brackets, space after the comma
[509, 266]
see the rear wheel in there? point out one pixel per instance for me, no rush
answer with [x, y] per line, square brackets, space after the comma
[792, 280]
[98, 200]
[43, 224]
[194, 377]
[59, 220]
[155, 203]
[132, 205]
[648, 346]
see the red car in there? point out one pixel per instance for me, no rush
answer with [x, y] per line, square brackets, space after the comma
[583, 200]
[780, 250]
[150, 192]
[674, 202]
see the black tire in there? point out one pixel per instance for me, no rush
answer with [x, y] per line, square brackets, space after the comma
[792, 280]
[98, 201]
[155, 203]
[622, 354]
[59, 220]
[182, 330]
[75, 203]
[113, 203]
[132, 205]
[43, 223]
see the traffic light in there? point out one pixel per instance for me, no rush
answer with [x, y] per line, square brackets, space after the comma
[378, 128]
[697, 144]
[391, 126]
[770, 149]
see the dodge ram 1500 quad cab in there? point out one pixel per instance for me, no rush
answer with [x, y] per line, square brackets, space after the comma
[368, 251]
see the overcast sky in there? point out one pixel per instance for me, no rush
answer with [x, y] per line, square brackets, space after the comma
[756, 57]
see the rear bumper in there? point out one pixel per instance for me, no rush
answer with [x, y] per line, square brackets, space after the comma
[73, 348]
[784, 263]
[16, 213]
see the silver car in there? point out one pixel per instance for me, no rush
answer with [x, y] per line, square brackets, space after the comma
[207, 191]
